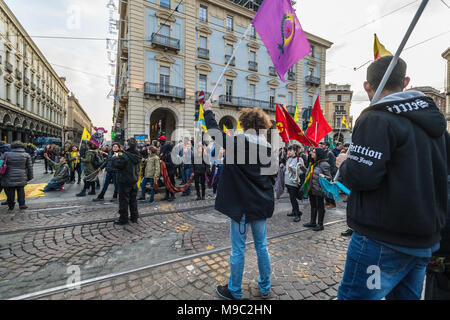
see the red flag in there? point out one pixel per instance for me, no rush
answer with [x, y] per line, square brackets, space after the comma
[319, 127]
[294, 131]
[281, 124]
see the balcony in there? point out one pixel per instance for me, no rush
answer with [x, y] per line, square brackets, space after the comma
[291, 76]
[241, 102]
[33, 86]
[162, 90]
[227, 58]
[43, 95]
[165, 42]
[273, 71]
[26, 81]
[315, 81]
[123, 92]
[9, 67]
[253, 66]
[203, 53]
[207, 95]
[39, 91]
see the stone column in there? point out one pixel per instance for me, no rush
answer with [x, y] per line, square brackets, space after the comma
[9, 136]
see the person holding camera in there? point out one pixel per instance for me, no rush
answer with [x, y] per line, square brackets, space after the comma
[127, 165]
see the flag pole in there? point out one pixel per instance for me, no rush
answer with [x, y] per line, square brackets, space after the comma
[229, 61]
[394, 60]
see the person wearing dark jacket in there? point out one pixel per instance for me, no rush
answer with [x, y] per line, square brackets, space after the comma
[49, 150]
[111, 174]
[19, 171]
[316, 195]
[89, 175]
[331, 159]
[245, 194]
[200, 167]
[398, 181]
[127, 165]
[166, 156]
[4, 147]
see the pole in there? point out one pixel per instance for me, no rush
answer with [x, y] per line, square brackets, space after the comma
[394, 61]
[229, 61]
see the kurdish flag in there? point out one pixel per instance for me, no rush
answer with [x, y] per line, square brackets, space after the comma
[308, 180]
[201, 119]
[279, 28]
[344, 122]
[225, 130]
[379, 50]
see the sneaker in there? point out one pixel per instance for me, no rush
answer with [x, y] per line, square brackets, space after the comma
[98, 199]
[23, 208]
[319, 227]
[310, 225]
[82, 194]
[297, 219]
[347, 233]
[265, 295]
[118, 222]
[225, 293]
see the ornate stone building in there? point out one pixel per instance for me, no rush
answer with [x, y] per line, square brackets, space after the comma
[338, 100]
[33, 98]
[436, 95]
[77, 120]
[184, 52]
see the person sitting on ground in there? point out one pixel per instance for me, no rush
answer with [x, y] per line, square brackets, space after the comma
[61, 174]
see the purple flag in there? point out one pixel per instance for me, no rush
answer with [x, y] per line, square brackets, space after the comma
[282, 34]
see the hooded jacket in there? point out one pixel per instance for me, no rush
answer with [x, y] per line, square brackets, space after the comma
[19, 167]
[242, 188]
[127, 166]
[397, 171]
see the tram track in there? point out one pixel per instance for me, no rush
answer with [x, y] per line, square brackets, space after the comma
[84, 283]
[106, 220]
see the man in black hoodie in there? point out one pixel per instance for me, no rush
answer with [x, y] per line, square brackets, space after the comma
[127, 165]
[397, 171]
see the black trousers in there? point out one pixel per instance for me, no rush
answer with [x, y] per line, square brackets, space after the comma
[200, 181]
[11, 195]
[127, 199]
[293, 196]
[77, 169]
[172, 181]
[317, 208]
[87, 185]
[48, 165]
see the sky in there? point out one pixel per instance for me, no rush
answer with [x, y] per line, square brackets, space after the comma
[349, 24]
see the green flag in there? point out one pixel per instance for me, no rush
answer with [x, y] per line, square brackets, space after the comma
[330, 141]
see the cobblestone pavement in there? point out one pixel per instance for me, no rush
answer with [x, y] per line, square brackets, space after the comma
[56, 235]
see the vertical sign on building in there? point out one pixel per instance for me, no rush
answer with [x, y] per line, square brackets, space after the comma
[111, 45]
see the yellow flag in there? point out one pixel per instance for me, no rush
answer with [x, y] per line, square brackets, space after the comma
[296, 113]
[344, 121]
[225, 130]
[201, 118]
[379, 50]
[86, 135]
[239, 127]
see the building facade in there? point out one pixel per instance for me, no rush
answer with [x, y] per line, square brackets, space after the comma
[338, 100]
[76, 120]
[33, 98]
[186, 48]
[446, 56]
[438, 97]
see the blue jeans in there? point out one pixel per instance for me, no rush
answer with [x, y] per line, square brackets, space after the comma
[110, 176]
[373, 271]
[144, 184]
[186, 175]
[51, 186]
[238, 235]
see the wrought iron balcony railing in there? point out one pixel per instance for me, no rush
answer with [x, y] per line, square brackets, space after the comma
[203, 53]
[242, 102]
[9, 67]
[160, 89]
[18, 74]
[165, 42]
[312, 80]
[253, 66]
